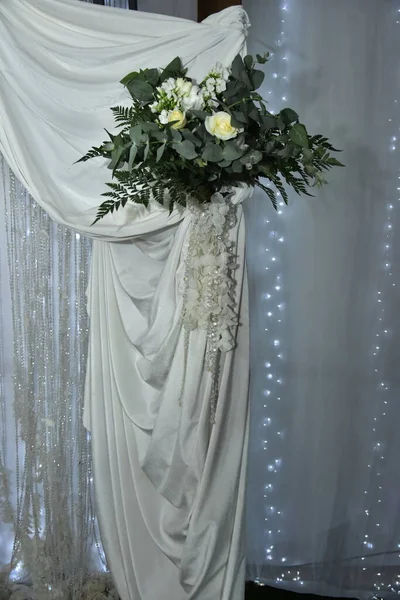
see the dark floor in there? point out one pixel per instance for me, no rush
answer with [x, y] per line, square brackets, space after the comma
[257, 592]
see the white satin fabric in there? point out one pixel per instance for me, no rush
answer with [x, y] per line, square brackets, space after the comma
[169, 486]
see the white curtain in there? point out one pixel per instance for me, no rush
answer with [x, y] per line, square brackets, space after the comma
[324, 473]
[168, 500]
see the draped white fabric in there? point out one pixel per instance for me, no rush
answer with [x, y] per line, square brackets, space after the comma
[169, 486]
[326, 399]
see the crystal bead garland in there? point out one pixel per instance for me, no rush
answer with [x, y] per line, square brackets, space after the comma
[209, 285]
[54, 520]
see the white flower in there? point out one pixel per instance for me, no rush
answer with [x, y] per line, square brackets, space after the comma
[163, 118]
[219, 125]
[222, 71]
[194, 100]
[210, 85]
[169, 85]
[183, 87]
[154, 107]
[220, 85]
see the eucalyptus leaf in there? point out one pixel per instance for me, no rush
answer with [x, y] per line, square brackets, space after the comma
[212, 153]
[132, 155]
[257, 78]
[188, 135]
[237, 166]
[200, 114]
[160, 152]
[185, 149]
[152, 76]
[172, 69]
[239, 72]
[239, 116]
[135, 133]
[298, 135]
[249, 61]
[175, 134]
[232, 151]
[224, 163]
[288, 116]
[148, 126]
[159, 135]
[125, 80]
[116, 156]
[146, 151]
[141, 90]
[268, 122]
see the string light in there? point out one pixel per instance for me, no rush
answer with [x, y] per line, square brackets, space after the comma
[274, 305]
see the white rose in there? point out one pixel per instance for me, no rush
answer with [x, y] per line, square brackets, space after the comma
[179, 117]
[219, 125]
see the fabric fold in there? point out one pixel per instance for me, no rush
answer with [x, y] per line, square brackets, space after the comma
[169, 485]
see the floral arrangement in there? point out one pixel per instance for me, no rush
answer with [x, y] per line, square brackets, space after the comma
[182, 140]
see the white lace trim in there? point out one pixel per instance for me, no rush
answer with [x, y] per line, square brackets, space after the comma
[209, 286]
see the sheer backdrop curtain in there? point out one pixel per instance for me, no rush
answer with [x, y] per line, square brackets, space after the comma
[324, 478]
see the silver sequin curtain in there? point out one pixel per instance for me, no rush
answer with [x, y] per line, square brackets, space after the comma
[54, 541]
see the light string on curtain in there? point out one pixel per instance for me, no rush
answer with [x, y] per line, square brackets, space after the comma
[274, 310]
[385, 295]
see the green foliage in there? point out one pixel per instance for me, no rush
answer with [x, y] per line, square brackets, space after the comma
[173, 162]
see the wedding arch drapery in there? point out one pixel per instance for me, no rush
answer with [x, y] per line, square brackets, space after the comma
[169, 485]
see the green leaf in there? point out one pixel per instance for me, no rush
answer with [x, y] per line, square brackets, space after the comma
[308, 155]
[200, 114]
[237, 166]
[172, 69]
[125, 80]
[239, 116]
[252, 157]
[175, 134]
[141, 90]
[262, 59]
[185, 149]
[115, 158]
[212, 153]
[232, 151]
[188, 135]
[159, 135]
[152, 76]
[288, 116]
[146, 151]
[160, 152]
[249, 61]
[257, 78]
[135, 133]
[268, 122]
[239, 71]
[224, 163]
[132, 156]
[255, 114]
[234, 88]
[298, 135]
[148, 126]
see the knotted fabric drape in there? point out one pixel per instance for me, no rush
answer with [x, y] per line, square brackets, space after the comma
[169, 485]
